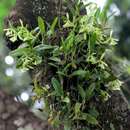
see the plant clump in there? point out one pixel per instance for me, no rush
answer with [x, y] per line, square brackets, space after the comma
[74, 50]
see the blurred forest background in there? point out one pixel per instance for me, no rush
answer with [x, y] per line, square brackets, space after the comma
[18, 82]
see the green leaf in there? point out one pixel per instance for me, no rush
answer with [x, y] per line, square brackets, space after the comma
[90, 91]
[79, 38]
[41, 25]
[77, 108]
[97, 13]
[82, 92]
[56, 59]
[61, 73]
[69, 42]
[89, 118]
[39, 91]
[67, 125]
[11, 33]
[66, 100]
[52, 28]
[115, 85]
[94, 112]
[92, 59]
[56, 121]
[79, 73]
[43, 47]
[104, 95]
[18, 52]
[24, 34]
[57, 87]
[68, 24]
[92, 42]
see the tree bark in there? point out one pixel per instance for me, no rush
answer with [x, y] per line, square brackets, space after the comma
[114, 113]
[29, 10]
[15, 116]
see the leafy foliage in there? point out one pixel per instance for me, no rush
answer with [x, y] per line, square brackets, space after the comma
[76, 52]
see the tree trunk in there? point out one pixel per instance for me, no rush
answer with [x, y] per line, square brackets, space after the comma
[114, 113]
[15, 116]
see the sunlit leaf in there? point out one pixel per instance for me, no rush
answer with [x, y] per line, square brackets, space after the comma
[41, 25]
[53, 25]
[77, 108]
[79, 73]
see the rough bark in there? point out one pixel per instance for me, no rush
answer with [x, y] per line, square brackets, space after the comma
[116, 110]
[15, 116]
[29, 10]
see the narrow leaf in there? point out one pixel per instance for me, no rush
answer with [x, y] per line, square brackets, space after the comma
[79, 73]
[82, 92]
[89, 118]
[57, 87]
[54, 25]
[41, 25]
[89, 91]
[19, 52]
[44, 47]
[77, 108]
